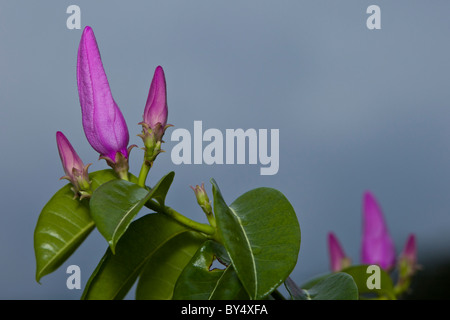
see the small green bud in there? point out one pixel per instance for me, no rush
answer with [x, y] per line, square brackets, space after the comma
[202, 198]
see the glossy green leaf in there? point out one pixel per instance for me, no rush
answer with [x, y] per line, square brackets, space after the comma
[160, 191]
[261, 233]
[63, 224]
[335, 286]
[161, 272]
[115, 204]
[113, 207]
[199, 281]
[361, 275]
[116, 273]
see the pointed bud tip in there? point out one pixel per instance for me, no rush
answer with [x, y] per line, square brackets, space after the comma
[159, 70]
[87, 31]
[88, 35]
[369, 197]
[60, 136]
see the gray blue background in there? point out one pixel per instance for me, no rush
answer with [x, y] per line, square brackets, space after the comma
[356, 109]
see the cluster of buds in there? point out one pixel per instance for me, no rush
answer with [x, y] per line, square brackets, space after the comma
[103, 123]
[377, 246]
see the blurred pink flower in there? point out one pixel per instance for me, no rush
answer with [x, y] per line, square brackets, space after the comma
[338, 259]
[408, 257]
[377, 245]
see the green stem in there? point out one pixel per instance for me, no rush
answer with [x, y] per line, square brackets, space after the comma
[123, 175]
[402, 286]
[212, 220]
[143, 173]
[197, 226]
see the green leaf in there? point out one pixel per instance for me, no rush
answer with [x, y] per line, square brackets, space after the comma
[114, 205]
[162, 188]
[261, 233]
[161, 272]
[361, 276]
[116, 273]
[63, 224]
[335, 286]
[199, 282]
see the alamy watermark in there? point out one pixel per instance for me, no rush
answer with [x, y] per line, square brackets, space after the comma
[74, 280]
[236, 146]
[374, 280]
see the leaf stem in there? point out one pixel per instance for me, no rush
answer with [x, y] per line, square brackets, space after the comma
[197, 226]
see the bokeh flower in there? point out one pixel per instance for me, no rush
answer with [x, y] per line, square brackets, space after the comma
[377, 245]
[338, 258]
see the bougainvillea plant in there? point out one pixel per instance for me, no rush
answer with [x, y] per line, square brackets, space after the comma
[254, 240]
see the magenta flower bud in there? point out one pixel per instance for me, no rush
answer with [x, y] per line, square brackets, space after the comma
[154, 122]
[156, 106]
[103, 123]
[338, 259]
[75, 170]
[408, 257]
[377, 245]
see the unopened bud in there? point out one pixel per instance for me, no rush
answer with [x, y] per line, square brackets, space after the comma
[338, 259]
[154, 122]
[76, 172]
[202, 198]
[408, 258]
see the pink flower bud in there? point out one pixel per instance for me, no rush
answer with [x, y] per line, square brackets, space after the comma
[156, 106]
[75, 170]
[103, 122]
[408, 257]
[154, 122]
[338, 259]
[377, 245]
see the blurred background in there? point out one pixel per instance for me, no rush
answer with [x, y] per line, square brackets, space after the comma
[357, 110]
